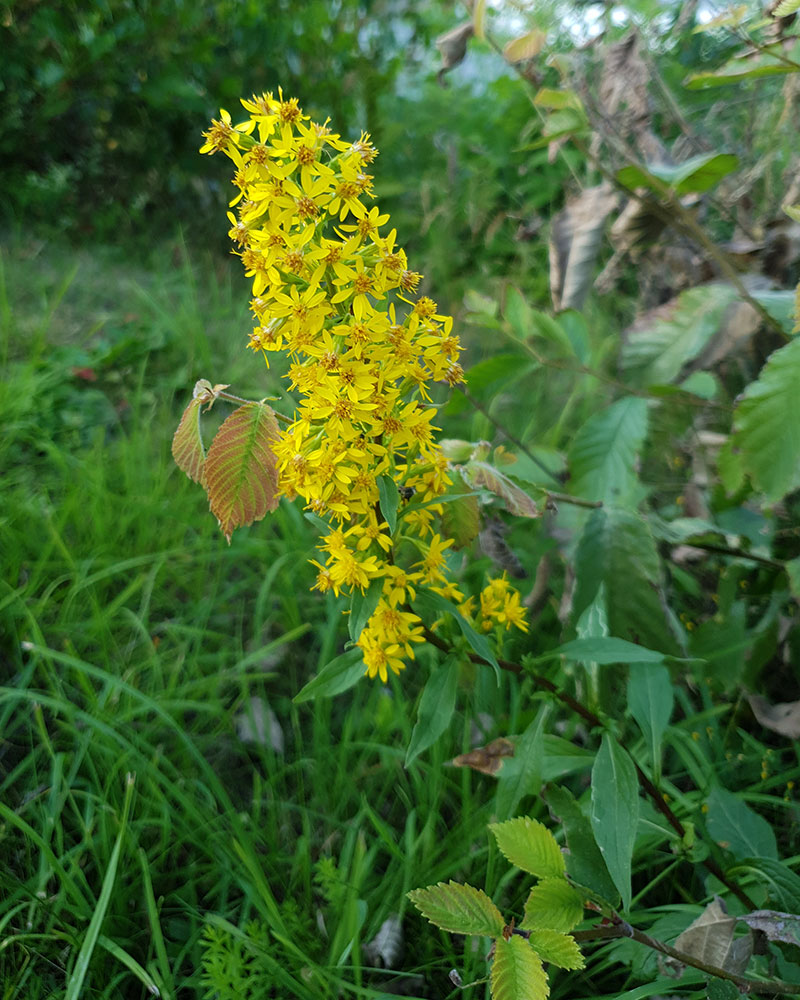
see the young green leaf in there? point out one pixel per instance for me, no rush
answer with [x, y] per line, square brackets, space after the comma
[530, 846]
[615, 812]
[650, 700]
[557, 949]
[767, 424]
[187, 443]
[585, 863]
[517, 972]
[335, 677]
[460, 909]
[553, 905]
[436, 708]
[241, 473]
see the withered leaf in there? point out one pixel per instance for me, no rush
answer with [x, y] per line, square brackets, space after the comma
[710, 938]
[488, 759]
[783, 718]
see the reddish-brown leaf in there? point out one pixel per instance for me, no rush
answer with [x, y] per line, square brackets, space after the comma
[481, 475]
[241, 475]
[486, 759]
[187, 444]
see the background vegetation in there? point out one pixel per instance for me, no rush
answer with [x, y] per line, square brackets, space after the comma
[264, 847]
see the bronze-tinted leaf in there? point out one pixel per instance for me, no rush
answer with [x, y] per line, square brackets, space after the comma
[241, 475]
[187, 443]
[481, 475]
[488, 759]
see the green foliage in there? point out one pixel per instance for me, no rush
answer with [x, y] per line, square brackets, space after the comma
[530, 846]
[615, 812]
[460, 909]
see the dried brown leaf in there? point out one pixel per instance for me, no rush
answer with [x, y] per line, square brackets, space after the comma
[783, 718]
[710, 938]
[488, 759]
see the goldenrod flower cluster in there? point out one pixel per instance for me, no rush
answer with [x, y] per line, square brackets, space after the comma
[333, 291]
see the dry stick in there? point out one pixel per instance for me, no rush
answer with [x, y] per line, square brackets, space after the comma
[595, 722]
[622, 929]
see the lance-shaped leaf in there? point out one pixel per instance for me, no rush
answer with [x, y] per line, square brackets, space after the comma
[339, 675]
[615, 812]
[530, 846]
[481, 475]
[436, 708]
[241, 472]
[517, 972]
[557, 949]
[460, 909]
[767, 424]
[553, 905]
[187, 443]
[585, 864]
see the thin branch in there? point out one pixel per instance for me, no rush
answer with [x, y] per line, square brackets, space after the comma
[735, 553]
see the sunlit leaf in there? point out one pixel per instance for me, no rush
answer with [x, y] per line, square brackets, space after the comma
[529, 845]
[460, 909]
[553, 905]
[517, 972]
[525, 47]
[557, 949]
[241, 474]
[771, 60]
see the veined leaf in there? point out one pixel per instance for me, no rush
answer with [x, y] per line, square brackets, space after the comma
[241, 474]
[738, 828]
[436, 708]
[781, 883]
[659, 343]
[767, 424]
[553, 905]
[530, 846]
[617, 551]
[786, 7]
[335, 677]
[481, 475]
[517, 972]
[615, 812]
[650, 700]
[460, 909]
[187, 443]
[602, 459]
[557, 949]
[711, 939]
[585, 863]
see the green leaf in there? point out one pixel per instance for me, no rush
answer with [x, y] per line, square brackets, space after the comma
[604, 649]
[517, 972]
[557, 949]
[241, 472]
[362, 606]
[766, 424]
[660, 343]
[602, 459]
[722, 989]
[553, 905]
[617, 551]
[781, 883]
[460, 909]
[389, 500]
[335, 677]
[695, 175]
[432, 605]
[530, 846]
[481, 475]
[650, 701]
[436, 707]
[461, 517]
[738, 828]
[187, 443]
[585, 863]
[522, 774]
[498, 372]
[770, 61]
[615, 812]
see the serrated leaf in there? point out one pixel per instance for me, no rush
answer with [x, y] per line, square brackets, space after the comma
[781, 883]
[650, 701]
[389, 500]
[785, 8]
[241, 474]
[522, 774]
[604, 649]
[553, 905]
[661, 342]
[517, 972]
[617, 552]
[362, 606]
[738, 828]
[481, 475]
[557, 949]
[187, 443]
[766, 424]
[615, 812]
[436, 605]
[530, 846]
[460, 909]
[527, 46]
[337, 676]
[695, 175]
[436, 707]
[602, 459]
[585, 863]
